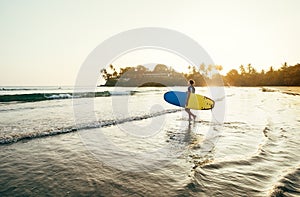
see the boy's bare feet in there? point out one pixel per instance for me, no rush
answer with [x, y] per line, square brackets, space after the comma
[194, 117]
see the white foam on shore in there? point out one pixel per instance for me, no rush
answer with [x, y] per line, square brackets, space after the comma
[15, 137]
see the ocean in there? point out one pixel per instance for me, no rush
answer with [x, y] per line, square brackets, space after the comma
[130, 142]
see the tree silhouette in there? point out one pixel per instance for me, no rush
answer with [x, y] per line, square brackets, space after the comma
[285, 76]
[160, 68]
[206, 75]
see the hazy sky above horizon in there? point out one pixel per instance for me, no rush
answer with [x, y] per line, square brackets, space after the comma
[45, 42]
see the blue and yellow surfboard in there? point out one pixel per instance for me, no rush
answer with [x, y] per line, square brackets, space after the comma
[196, 101]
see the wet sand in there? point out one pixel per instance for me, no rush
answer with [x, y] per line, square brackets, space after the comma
[291, 90]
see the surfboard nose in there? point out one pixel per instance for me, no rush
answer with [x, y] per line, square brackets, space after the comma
[175, 98]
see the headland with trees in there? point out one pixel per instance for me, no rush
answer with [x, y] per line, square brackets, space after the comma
[163, 75]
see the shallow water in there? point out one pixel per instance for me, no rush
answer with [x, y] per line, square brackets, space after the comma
[135, 144]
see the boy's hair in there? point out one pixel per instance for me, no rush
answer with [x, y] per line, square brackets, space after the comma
[192, 81]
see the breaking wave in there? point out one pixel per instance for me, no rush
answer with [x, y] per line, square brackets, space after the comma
[35, 97]
[15, 137]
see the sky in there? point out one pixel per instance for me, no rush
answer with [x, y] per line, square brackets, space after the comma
[45, 42]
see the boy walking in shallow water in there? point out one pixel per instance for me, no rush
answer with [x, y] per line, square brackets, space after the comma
[191, 89]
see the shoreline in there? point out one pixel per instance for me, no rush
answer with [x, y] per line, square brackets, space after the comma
[291, 90]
